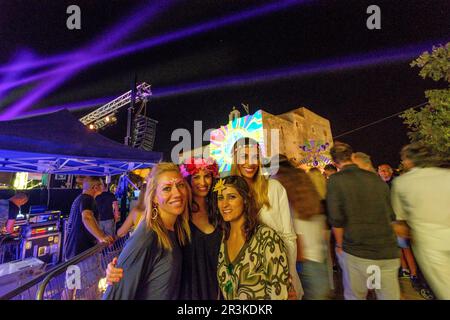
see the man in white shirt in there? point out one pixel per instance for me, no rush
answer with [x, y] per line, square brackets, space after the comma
[421, 202]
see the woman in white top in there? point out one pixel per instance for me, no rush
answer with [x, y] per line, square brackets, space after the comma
[309, 225]
[271, 199]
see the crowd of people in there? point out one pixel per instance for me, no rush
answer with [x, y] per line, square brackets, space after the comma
[196, 236]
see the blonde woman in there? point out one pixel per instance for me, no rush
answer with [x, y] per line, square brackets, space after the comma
[152, 259]
[319, 181]
[309, 225]
[135, 216]
[271, 201]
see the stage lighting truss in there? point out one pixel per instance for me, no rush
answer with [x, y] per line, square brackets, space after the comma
[105, 115]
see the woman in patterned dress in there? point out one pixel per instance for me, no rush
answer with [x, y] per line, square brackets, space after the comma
[252, 259]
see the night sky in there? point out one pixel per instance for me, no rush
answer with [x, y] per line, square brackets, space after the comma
[358, 75]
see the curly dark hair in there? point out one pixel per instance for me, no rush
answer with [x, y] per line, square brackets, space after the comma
[250, 209]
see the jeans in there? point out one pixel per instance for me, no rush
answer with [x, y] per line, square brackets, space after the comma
[403, 243]
[108, 227]
[314, 278]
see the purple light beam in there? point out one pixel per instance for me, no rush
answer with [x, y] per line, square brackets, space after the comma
[22, 56]
[109, 39]
[167, 38]
[308, 69]
[28, 65]
[73, 106]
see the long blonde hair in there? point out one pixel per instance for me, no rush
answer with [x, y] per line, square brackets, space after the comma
[182, 223]
[260, 187]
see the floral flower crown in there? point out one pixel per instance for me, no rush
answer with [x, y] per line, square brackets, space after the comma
[194, 165]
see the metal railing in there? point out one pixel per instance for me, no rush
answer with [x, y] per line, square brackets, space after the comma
[76, 279]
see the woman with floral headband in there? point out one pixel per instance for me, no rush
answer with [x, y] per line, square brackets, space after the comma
[271, 201]
[200, 256]
[152, 258]
[252, 260]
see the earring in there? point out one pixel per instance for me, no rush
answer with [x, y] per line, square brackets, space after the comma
[155, 213]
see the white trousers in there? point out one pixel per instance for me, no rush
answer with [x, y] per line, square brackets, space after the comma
[435, 266]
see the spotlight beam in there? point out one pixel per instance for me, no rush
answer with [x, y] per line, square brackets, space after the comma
[163, 39]
[307, 69]
[200, 28]
[302, 70]
[116, 34]
[22, 56]
[73, 106]
[105, 42]
[29, 65]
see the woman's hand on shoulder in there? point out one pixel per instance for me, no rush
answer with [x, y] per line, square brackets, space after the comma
[113, 274]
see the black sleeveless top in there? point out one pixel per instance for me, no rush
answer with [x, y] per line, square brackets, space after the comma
[200, 259]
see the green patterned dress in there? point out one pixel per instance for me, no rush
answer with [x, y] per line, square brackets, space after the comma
[259, 271]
